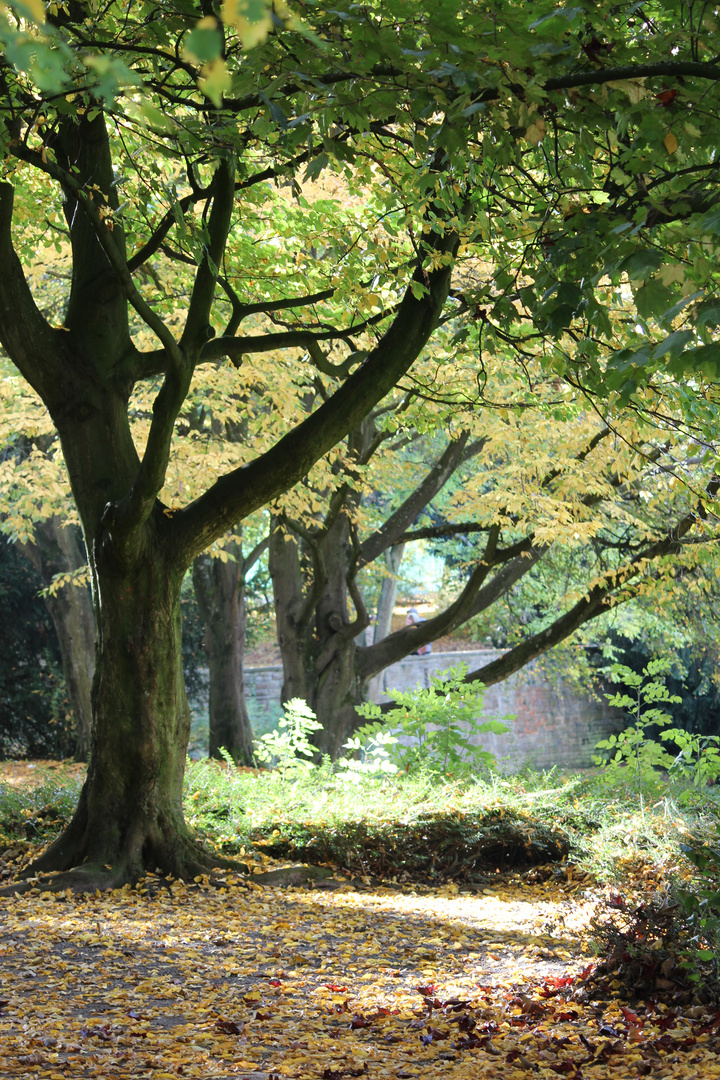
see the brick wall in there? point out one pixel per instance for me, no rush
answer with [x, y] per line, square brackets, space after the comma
[553, 725]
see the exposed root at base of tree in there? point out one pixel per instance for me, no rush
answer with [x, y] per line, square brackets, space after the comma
[91, 877]
[55, 871]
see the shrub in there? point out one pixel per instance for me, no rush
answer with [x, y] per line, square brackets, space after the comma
[433, 729]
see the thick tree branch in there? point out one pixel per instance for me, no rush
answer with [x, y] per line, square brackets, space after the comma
[664, 68]
[333, 371]
[266, 307]
[134, 510]
[475, 597]
[31, 343]
[234, 348]
[240, 492]
[601, 597]
[437, 532]
[257, 552]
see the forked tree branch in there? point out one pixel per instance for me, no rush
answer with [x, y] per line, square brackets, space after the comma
[234, 496]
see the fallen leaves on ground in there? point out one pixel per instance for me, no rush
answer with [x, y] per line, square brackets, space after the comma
[28, 774]
[244, 980]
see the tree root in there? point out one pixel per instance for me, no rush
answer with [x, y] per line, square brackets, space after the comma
[81, 879]
[293, 875]
[92, 877]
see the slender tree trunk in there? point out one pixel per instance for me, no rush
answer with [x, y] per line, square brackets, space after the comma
[388, 593]
[386, 604]
[58, 549]
[220, 593]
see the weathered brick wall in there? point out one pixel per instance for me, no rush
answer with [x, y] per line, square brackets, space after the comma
[553, 725]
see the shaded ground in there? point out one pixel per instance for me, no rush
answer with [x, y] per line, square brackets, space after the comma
[191, 981]
[31, 773]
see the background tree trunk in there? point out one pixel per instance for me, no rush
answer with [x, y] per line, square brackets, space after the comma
[59, 549]
[220, 593]
[386, 604]
[315, 633]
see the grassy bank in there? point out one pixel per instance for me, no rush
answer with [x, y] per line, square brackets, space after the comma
[409, 828]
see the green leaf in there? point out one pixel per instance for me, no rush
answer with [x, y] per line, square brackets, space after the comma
[673, 344]
[652, 299]
[710, 221]
[316, 166]
[705, 359]
[708, 314]
[203, 44]
[275, 112]
[566, 13]
[641, 264]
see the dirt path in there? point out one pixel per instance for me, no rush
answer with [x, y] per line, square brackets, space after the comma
[262, 982]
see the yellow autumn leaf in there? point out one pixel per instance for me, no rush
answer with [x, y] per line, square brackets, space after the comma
[215, 80]
[634, 89]
[36, 9]
[252, 19]
[672, 272]
[536, 132]
[671, 143]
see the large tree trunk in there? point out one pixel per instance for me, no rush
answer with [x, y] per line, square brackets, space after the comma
[220, 593]
[130, 817]
[58, 549]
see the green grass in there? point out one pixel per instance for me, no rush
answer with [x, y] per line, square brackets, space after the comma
[419, 827]
[415, 827]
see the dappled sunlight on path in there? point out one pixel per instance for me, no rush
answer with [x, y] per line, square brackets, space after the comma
[198, 982]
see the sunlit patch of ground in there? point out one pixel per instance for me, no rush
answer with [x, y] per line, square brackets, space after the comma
[246, 980]
[33, 773]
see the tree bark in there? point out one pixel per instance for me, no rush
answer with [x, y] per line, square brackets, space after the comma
[315, 633]
[220, 593]
[58, 549]
[386, 604]
[129, 817]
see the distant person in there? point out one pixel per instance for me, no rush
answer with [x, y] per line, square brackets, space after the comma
[414, 618]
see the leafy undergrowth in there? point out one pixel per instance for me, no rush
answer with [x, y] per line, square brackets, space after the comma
[421, 829]
[472, 969]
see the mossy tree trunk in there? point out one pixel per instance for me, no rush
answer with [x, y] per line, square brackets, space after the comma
[130, 815]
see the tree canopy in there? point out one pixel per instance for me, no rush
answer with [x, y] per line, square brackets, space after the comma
[539, 176]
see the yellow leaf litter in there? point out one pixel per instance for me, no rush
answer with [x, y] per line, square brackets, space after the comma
[259, 982]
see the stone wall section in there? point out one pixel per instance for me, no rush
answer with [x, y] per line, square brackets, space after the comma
[553, 723]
